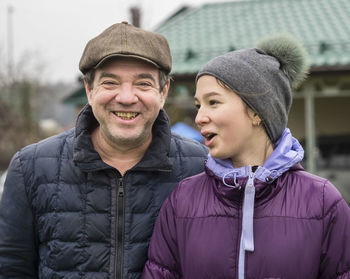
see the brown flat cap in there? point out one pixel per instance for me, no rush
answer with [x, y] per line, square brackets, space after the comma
[123, 39]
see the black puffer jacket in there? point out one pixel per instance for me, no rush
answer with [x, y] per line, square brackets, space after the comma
[65, 213]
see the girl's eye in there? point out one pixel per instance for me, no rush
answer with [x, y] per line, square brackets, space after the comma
[213, 102]
[197, 106]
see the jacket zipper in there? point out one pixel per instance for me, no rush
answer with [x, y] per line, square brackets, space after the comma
[246, 240]
[120, 229]
[241, 254]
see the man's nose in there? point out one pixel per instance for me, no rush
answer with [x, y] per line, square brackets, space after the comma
[126, 95]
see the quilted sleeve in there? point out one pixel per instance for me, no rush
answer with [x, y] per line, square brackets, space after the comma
[17, 253]
[163, 253]
[335, 259]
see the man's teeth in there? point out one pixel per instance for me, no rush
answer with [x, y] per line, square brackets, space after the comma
[126, 115]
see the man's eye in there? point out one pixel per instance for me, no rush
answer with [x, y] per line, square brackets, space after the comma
[144, 84]
[108, 82]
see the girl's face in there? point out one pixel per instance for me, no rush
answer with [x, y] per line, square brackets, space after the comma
[226, 123]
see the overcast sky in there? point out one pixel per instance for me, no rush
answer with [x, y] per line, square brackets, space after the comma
[53, 33]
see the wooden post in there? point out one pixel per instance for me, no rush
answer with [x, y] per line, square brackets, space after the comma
[310, 135]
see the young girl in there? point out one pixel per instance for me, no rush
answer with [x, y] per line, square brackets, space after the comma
[254, 213]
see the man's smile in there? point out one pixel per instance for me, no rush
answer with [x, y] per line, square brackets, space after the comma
[126, 115]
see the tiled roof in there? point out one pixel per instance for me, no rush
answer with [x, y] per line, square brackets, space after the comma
[196, 35]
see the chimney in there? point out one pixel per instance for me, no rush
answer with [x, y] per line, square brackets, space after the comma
[135, 16]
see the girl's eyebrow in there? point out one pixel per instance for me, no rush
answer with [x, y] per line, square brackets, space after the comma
[208, 94]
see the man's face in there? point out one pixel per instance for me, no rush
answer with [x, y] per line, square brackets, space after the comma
[126, 100]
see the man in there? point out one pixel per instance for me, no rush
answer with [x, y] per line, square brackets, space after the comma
[82, 204]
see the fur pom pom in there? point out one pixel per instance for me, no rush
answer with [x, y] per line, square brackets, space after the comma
[290, 53]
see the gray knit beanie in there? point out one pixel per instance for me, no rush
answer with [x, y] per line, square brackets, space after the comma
[263, 77]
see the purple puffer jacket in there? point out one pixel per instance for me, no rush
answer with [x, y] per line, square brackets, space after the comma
[276, 222]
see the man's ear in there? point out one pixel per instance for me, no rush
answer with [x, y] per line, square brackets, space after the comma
[88, 91]
[164, 92]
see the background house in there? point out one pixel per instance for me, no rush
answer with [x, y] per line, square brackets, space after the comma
[320, 116]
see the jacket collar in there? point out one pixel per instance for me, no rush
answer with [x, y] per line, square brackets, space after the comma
[286, 154]
[155, 158]
[231, 181]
